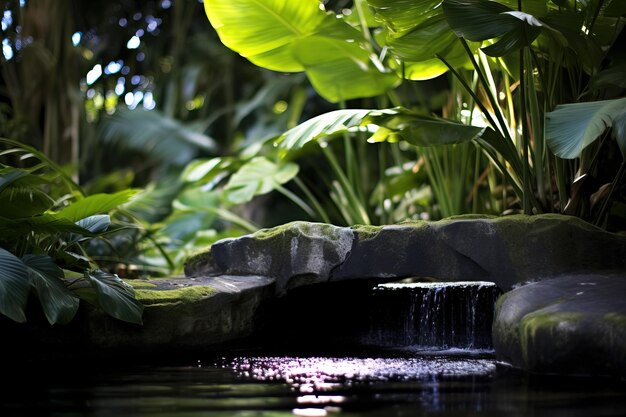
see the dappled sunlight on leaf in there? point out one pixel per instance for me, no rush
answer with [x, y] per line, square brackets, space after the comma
[96, 204]
[264, 31]
[258, 177]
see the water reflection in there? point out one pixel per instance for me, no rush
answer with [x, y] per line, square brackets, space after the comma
[311, 374]
[388, 385]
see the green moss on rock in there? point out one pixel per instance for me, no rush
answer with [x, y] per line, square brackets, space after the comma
[543, 321]
[269, 233]
[140, 284]
[618, 319]
[305, 228]
[185, 295]
[471, 217]
[363, 232]
[201, 262]
[538, 320]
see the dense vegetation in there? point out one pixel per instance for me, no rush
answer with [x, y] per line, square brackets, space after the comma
[133, 137]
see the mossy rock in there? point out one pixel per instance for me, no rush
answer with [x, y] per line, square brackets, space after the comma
[506, 250]
[569, 325]
[294, 254]
[189, 295]
[186, 313]
[179, 314]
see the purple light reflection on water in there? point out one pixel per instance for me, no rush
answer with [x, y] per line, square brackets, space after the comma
[312, 374]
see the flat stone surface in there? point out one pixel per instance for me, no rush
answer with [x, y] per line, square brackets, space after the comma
[505, 250]
[179, 313]
[568, 325]
[187, 312]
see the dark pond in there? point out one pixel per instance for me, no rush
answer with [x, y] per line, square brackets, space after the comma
[259, 383]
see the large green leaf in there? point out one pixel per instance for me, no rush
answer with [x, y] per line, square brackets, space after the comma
[263, 31]
[153, 203]
[115, 297]
[388, 124]
[425, 41]
[193, 212]
[20, 193]
[196, 199]
[401, 16]
[257, 177]
[619, 132]
[95, 224]
[424, 131]
[155, 135]
[341, 70]
[423, 70]
[523, 35]
[296, 36]
[96, 204]
[30, 153]
[417, 33]
[478, 20]
[46, 223]
[58, 303]
[320, 126]
[453, 53]
[204, 169]
[572, 127]
[10, 175]
[14, 286]
[183, 226]
[354, 17]
[18, 202]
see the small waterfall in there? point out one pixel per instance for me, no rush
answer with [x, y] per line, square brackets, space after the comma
[438, 315]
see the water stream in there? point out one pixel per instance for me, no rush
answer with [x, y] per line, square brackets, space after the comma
[432, 315]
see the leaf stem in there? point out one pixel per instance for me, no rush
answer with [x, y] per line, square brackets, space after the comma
[314, 201]
[295, 199]
[525, 139]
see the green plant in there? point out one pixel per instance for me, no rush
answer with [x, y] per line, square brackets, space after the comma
[45, 219]
[514, 61]
[368, 74]
[571, 128]
[201, 111]
[205, 206]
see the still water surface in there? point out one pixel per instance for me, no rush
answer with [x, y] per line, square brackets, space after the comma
[257, 383]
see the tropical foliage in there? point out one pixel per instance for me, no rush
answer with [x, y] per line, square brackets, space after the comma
[342, 111]
[524, 58]
[45, 219]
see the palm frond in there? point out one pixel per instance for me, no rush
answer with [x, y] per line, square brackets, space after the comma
[158, 136]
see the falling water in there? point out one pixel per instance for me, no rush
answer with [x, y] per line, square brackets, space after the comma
[433, 315]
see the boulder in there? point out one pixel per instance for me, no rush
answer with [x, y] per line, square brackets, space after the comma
[179, 313]
[505, 250]
[295, 254]
[574, 324]
[186, 313]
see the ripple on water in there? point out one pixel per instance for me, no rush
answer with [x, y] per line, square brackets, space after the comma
[309, 374]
